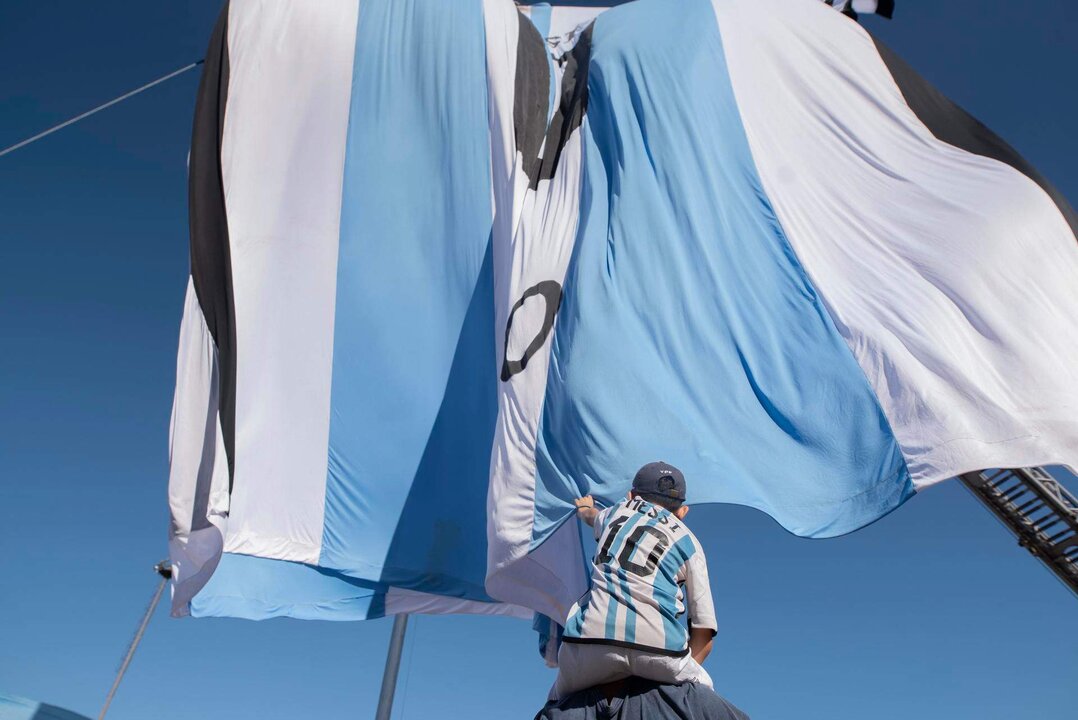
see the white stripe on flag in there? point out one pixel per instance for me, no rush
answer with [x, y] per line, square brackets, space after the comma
[282, 160]
[533, 248]
[198, 467]
[950, 275]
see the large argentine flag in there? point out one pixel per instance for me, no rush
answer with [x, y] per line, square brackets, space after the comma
[457, 263]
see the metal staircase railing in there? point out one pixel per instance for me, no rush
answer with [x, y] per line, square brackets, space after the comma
[1039, 510]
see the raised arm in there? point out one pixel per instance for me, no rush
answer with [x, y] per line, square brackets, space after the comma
[585, 509]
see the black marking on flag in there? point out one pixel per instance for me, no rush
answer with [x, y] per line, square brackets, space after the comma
[571, 109]
[884, 8]
[531, 99]
[211, 256]
[531, 102]
[954, 126]
[550, 290]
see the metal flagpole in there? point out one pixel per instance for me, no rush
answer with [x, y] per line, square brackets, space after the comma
[393, 665]
[164, 569]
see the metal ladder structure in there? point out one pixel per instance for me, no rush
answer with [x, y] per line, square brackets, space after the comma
[1039, 510]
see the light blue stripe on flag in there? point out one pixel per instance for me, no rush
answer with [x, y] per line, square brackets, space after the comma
[413, 401]
[689, 331]
[539, 14]
[257, 588]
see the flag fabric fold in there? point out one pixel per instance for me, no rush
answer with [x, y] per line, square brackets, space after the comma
[456, 264]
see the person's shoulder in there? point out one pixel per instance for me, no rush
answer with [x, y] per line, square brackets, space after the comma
[690, 538]
[678, 532]
[609, 512]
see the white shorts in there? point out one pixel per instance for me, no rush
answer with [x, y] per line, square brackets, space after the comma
[584, 665]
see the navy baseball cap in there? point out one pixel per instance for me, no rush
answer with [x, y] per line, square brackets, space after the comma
[662, 480]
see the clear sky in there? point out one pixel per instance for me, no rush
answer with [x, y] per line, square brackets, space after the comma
[933, 612]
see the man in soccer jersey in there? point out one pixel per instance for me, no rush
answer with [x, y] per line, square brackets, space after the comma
[647, 567]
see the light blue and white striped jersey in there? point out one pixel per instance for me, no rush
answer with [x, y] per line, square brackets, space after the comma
[646, 566]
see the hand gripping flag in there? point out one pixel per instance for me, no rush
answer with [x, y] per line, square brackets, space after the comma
[454, 264]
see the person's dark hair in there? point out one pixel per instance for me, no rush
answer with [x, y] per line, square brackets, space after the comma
[662, 501]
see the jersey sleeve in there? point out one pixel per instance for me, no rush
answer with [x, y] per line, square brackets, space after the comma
[698, 592]
[600, 521]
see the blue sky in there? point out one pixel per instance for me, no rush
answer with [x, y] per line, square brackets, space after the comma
[933, 612]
